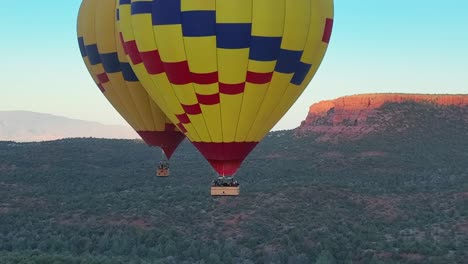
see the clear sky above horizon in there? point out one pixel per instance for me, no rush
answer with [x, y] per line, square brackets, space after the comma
[377, 47]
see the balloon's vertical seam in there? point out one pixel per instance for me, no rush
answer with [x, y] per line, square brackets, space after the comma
[130, 61]
[150, 102]
[191, 78]
[259, 132]
[324, 38]
[150, 78]
[144, 125]
[165, 69]
[247, 69]
[92, 24]
[130, 106]
[269, 84]
[220, 112]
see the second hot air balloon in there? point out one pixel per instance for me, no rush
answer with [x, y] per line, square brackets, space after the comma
[105, 59]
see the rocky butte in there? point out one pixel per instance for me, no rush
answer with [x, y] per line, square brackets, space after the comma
[354, 116]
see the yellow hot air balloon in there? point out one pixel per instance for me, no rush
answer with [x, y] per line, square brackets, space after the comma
[107, 63]
[228, 70]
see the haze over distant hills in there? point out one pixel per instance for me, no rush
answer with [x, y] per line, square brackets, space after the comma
[24, 126]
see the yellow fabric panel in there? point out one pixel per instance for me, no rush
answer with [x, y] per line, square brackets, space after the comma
[170, 42]
[124, 24]
[314, 38]
[313, 54]
[118, 85]
[206, 89]
[145, 29]
[187, 97]
[296, 24]
[328, 8]
[296, 27]
[253, 97]
[201, 54]
[125, 27]
[268, 18]
[140, 98]
[238, 11]
[113, 98]
[267, 21]
[190, 5]
[87, 30]
[292, 93]
[86, 22]
[97, 25]
[230, 109]
[262, 66]
[232, 65]
[212, 116]
[166, 91]
[192, 132]
[105, 26]
[159, 118]
[199, 125]
[146, 81]
[279, 83]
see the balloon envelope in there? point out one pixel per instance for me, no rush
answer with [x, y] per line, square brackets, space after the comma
[106, 61]
[228, 70]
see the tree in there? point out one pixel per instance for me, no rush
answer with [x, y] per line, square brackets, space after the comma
[325, 257]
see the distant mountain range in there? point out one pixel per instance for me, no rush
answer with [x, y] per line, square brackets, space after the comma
[349, 117]
[24, 126]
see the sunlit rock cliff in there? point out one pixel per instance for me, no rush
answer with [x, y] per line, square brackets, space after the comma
[352, 117]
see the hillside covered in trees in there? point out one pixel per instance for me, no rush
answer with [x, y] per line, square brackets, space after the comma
[396, 195]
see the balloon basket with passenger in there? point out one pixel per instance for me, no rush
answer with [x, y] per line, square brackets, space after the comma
[163, 169]
[225, 186]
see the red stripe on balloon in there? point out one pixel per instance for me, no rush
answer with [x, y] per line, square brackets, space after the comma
[204, 78]
[208, 99]
[192, 109]
[103, 78]
[327, 32]
[182, 128]
[259, 78]
[152, 61]
[178, 72]
[170, 127]
[183, 118]
[133, 52]
[225, 158]
[231, 89]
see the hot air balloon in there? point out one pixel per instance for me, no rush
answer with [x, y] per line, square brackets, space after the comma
[107, 63]
[228, 70]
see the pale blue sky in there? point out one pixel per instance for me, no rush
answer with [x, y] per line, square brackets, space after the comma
[377, 46]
